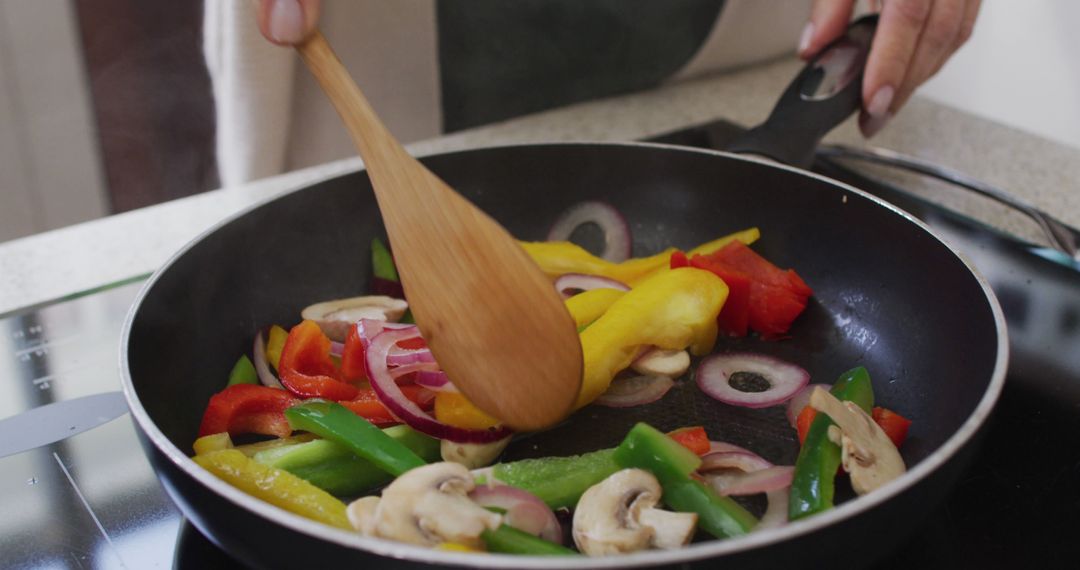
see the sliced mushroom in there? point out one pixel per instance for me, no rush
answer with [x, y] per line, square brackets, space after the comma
[660, 362]
[361, 514]
[426, 506]
[618, 515]
[473, 455]
[867, 454]
[670, 529]
[335, 317]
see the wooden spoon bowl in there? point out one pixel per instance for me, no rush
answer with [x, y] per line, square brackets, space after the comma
[493, 320]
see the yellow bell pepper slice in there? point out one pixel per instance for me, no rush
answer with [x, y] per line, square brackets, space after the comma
[456, 547]
[212, 442]
[454, 409]
[560, 257]
[556, 258]
[274, 344]
[673, 310]
[250, 449]
[219, 441]
[275, 486]
[587, 306]
[747, 236]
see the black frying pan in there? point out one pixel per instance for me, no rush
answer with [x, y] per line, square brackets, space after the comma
[889, 295]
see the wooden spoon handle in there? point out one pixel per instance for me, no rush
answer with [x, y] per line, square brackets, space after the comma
[372, 139]
[390, 167]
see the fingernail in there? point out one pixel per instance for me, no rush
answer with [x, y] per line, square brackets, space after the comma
[879, 103]
[286, 21]
[804, 39]
[874, 123]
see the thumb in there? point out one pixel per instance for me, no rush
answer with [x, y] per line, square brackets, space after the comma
[828, 20]
[288, 22]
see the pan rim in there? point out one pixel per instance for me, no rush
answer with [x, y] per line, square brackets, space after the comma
[694, 552]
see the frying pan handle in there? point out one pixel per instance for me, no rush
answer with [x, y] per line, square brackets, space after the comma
[823, 95]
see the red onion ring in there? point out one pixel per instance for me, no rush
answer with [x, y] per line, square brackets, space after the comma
[718, 446]
[524, 511]
[337, 348]
[617, 241]
[262, 366]
[744, 461]
[397, 372]
[436, 381]
[761, 481]
[726, 456]
[722, 468]
[799, 401]
[377, 326]
[424, 397]
[567, 283]
[785, 379]
[634, 391]
[401, 356]
[367, 329]
[776, 514]
[388, 392]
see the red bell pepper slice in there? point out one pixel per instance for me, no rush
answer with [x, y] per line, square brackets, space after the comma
[775, 299]
[248, 408]
[368, 406]
[678, 259]
[415, 343]
[734, 317]
[352, 358]
[306, 368]
[353, 368]
[773, 310]
[803, 421]
[693, 438]
[893, 424]
[740, 257]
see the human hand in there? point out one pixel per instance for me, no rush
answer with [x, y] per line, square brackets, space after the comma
[914, 39]
[288, 22]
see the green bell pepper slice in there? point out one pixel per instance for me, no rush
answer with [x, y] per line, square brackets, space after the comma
[508, 540]
[719, 516]
[558, 481]
[337, 470]
[331, 420]
[647, 448]
[814, 482]
[382, 263]
[243, 372]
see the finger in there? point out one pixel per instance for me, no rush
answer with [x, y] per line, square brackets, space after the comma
[828, 19]
[967, 26]
[288, 22]
[898, 32]
[936, 44]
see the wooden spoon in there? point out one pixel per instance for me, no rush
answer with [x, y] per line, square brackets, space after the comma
[493, 320]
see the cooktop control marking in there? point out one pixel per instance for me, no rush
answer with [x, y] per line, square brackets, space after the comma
[42, 348]
[86, 504]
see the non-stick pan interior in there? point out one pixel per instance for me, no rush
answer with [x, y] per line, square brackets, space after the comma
[887, 295]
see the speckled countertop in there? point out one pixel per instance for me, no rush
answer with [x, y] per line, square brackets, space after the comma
[65, 262]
